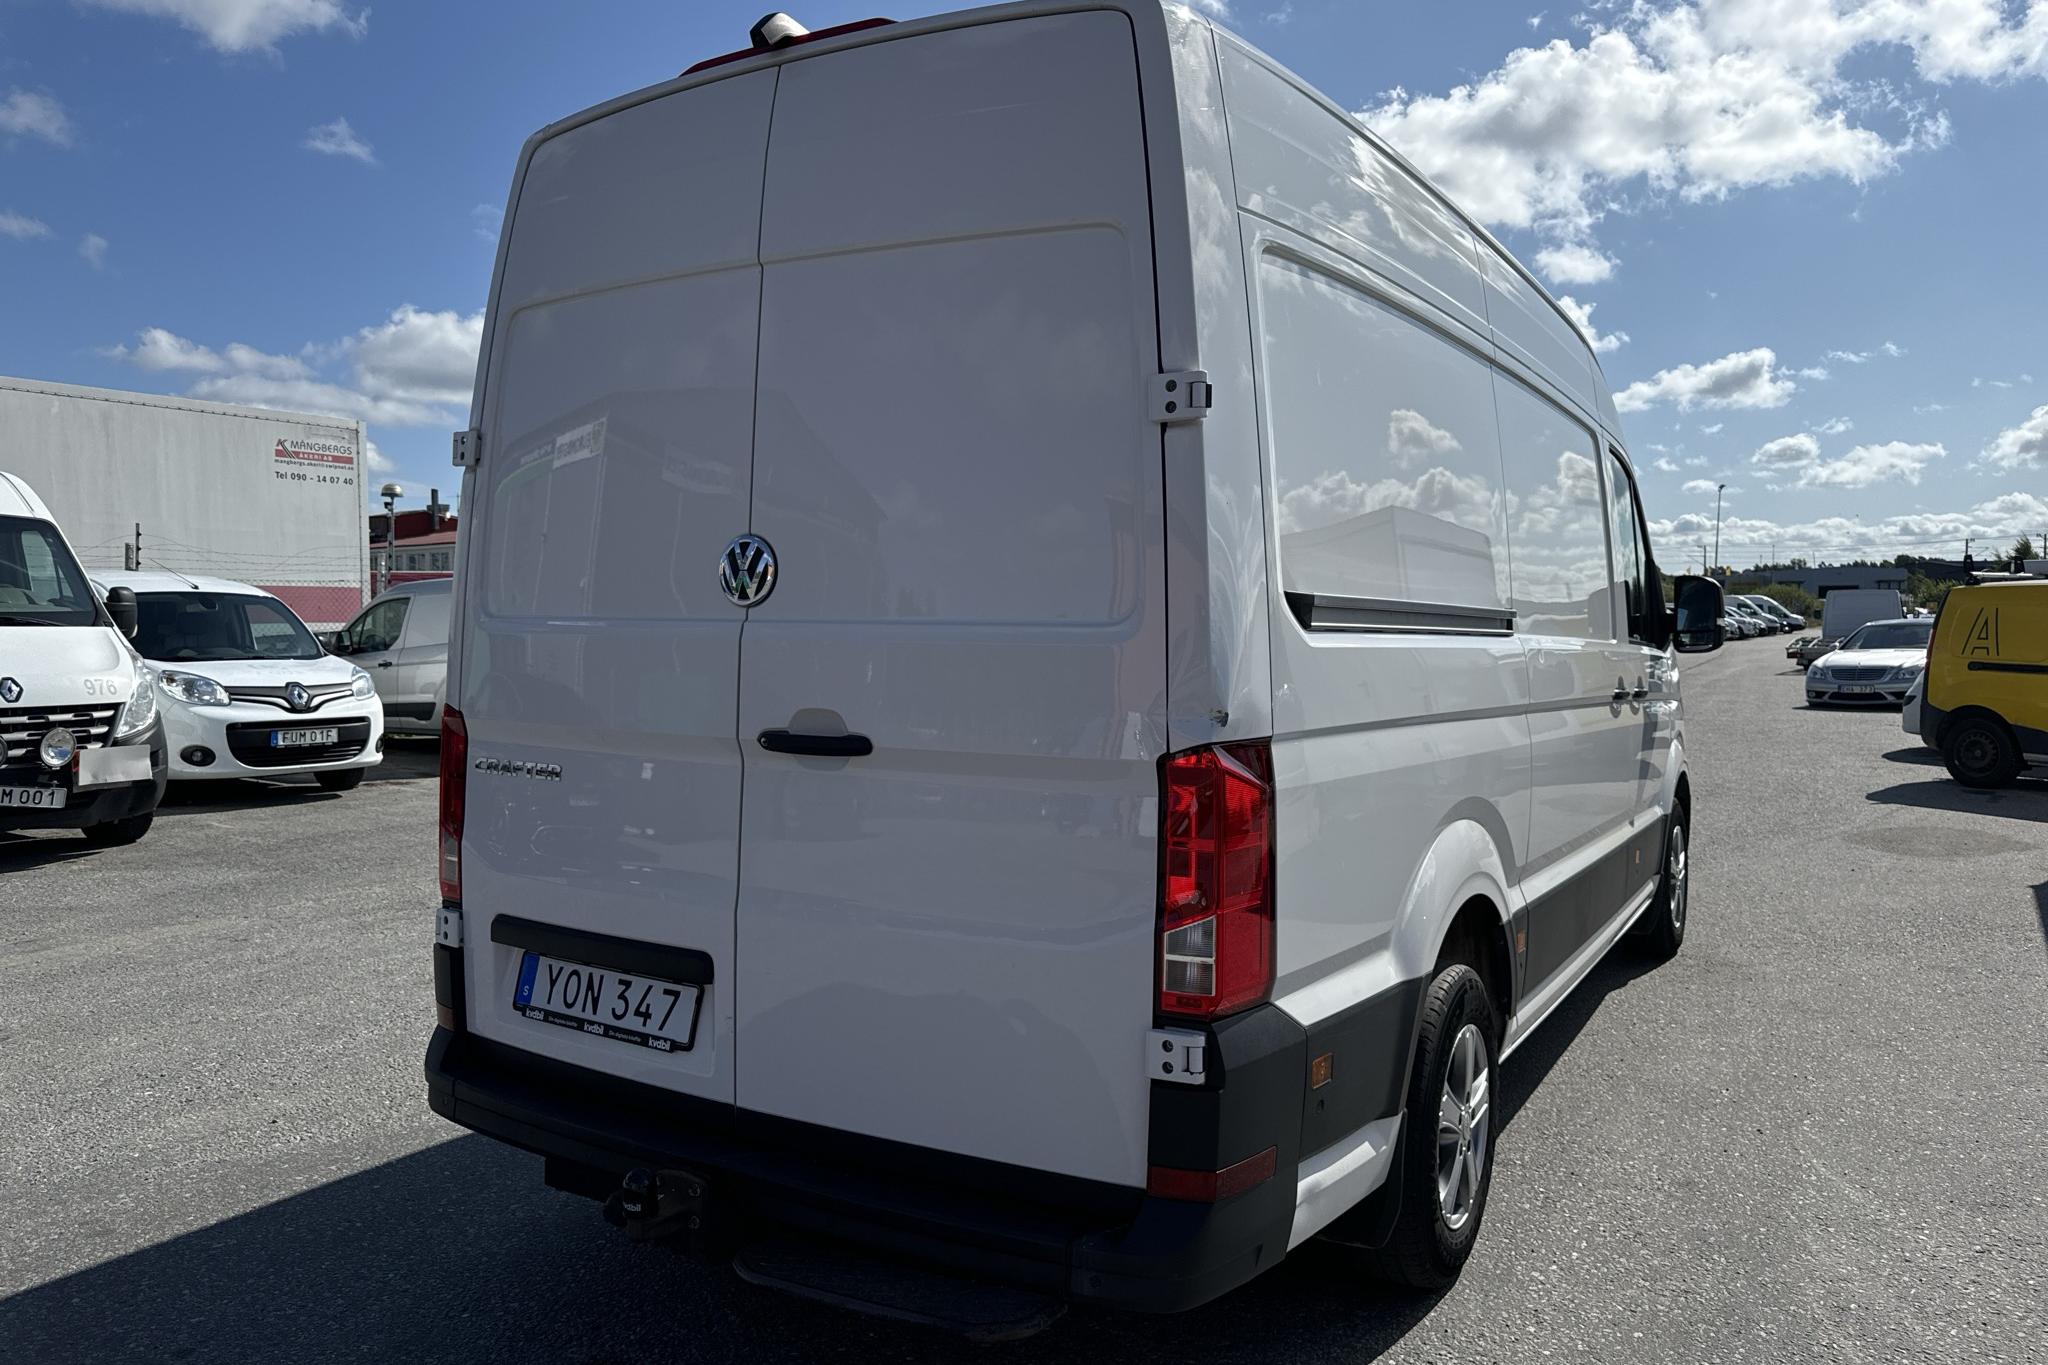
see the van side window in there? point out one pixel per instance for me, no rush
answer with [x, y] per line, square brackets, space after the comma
[1385, 454]
[1631, 559]
[1557, 538]
[378, 628]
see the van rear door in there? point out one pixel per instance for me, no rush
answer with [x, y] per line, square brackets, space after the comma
[948, 941]
[600, 657]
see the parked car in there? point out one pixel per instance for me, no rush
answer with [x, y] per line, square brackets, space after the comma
[1740, 625]
[1793, 647]
[1986, 705]
[1774, 611]
[1909, 714]
[401, 641]
[81, 746]
[1762, 622]
[1876, 664]
[243, 687]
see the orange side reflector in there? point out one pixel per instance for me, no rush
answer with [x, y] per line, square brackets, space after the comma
[1319, 1071]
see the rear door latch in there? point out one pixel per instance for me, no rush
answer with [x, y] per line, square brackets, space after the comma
[469, 448]
[1181, 396]
[1178, 1055]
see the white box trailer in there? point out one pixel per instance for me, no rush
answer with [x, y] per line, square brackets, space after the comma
[270, 498]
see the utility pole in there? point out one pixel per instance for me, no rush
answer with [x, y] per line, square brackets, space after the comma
[1719, 489]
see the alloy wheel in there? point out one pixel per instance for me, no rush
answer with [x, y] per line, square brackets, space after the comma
[1462, 1123]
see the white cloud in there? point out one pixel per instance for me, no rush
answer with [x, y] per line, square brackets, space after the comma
[1924, 408]
[1412, 438]
[1696, 462]
[1701, 100]
[1535, 21]
[377, 461]
[1713, 429]
[1787, 453]
[1664, 464]
[1842, 538]
[248, 25]
[414, 369]
[1581, 315]
[1574, 263]
[338, 139]
[26, 113]
[93, 248]
[21, 227]
[1815, 372]
[1834, 426]
[2020, 447]
[1703, 486]
[1892, 349]
[1744, 379]
[1849, 357]
[1864, 466]
[485, 220]
[1215, 9]
[1282, 15]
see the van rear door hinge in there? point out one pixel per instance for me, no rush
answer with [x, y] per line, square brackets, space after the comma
[1181, 396]
[469, 448]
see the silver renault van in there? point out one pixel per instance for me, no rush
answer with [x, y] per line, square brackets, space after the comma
[1054, 660]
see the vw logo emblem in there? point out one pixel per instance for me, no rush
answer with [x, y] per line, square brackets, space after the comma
[298, 696]
[10, 690]
[747, 571]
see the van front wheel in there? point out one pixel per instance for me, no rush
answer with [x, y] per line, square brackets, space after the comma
[1979, 752]
[1445, 1159]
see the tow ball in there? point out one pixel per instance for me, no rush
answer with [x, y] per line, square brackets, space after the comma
[663, 1206]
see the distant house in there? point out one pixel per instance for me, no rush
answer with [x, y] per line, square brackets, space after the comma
[423, 547]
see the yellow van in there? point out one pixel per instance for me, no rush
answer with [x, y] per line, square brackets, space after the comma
[1986, 706]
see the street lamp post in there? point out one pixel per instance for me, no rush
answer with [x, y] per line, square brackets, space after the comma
[1719, 488]
[391, 493]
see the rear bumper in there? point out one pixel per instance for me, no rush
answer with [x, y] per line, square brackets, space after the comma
[1069, 1238]
[100, 805]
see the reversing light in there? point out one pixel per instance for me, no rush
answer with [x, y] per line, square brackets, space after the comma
[454, 762]
[1215, 881]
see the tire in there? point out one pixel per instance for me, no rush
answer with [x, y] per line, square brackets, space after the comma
[116, 833]
[1663, 924]
[1980, 752]
[341, 780]
[1429, 1244]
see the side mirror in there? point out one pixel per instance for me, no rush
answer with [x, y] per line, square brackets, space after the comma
[121, 608]
[1697, 608]
[329, 640]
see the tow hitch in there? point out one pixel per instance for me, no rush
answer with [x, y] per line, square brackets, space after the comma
[663, 1206]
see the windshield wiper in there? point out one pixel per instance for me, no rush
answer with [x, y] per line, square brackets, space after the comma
[8, 619]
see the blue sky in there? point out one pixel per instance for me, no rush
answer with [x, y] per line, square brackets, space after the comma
[1807, 234]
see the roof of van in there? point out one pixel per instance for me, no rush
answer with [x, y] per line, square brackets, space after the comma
[861, 36]
[166, 581]
[17, 499]
[424, 587]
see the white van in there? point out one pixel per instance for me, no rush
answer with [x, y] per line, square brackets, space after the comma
[243, 687]
[1054, 658]
[401, 640]
[80, 743]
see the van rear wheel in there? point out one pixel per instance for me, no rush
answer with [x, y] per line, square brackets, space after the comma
[1980, 752]
[1445, 1159]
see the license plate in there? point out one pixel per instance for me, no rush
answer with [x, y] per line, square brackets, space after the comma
[607, 1004]
[295, 739]
[1857, 688]
[33, 798]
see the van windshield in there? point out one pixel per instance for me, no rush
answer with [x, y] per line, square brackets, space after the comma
[182, 626]
[40, 583]
[1891, 635]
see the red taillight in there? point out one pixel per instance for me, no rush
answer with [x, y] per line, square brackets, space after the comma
[1206, 1187]
[454, 763]
[1216, 880]
[855, 27]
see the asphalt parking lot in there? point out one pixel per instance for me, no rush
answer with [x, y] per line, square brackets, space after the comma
[1816, 1135]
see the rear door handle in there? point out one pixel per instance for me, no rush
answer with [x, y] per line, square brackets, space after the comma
[383, 663]
[1639, 693]
[816, 746]
[1620, 695]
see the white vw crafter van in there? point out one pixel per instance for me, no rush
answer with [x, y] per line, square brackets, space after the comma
[80, 743]
[1054, 659]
